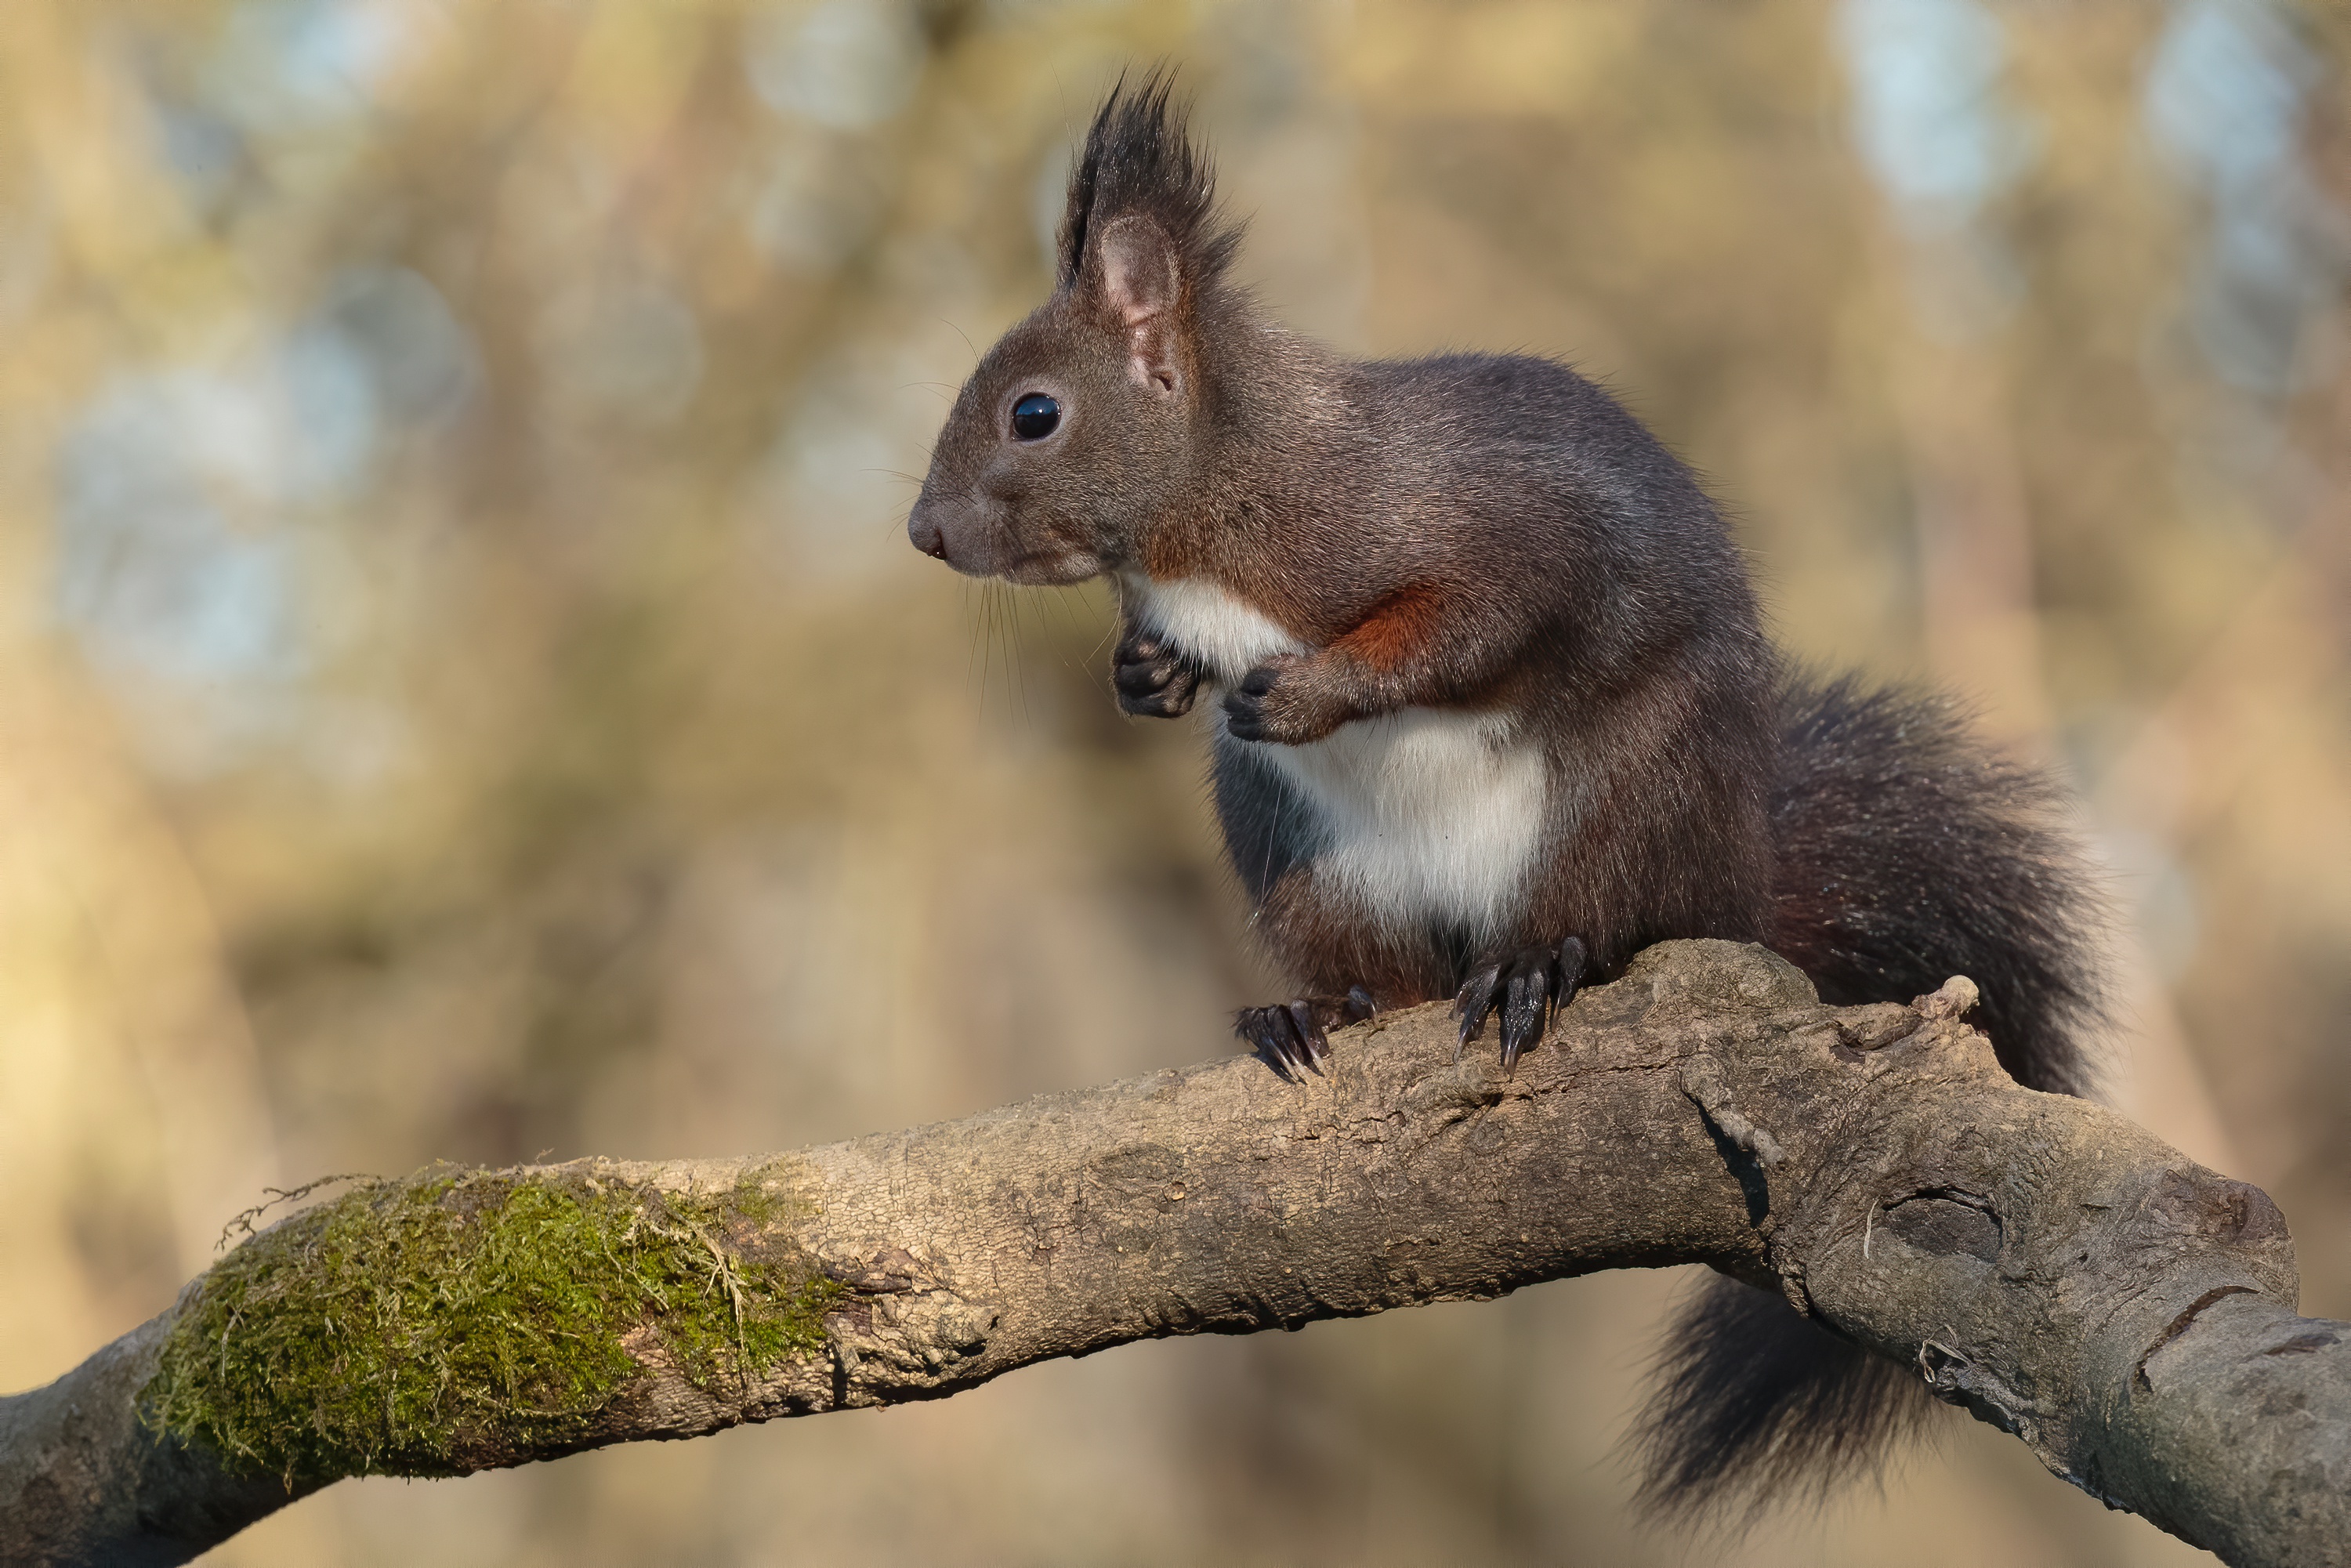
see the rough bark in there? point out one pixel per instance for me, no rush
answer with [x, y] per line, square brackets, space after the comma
[2062, 1274]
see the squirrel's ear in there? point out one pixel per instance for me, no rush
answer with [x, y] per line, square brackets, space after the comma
[1140, 276]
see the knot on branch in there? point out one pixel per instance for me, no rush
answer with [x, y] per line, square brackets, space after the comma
[914, 1339]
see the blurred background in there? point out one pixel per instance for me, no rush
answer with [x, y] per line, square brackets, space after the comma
[464, 692]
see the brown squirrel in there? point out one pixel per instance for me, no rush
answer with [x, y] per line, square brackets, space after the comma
[1495, 711]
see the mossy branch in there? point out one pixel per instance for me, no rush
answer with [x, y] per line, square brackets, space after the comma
[463, 1317]
[2038, 1259]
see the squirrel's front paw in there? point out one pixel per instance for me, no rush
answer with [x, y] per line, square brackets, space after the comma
[1152, 678]
[1279, 701]
[1291, 1036]
[1525, 988]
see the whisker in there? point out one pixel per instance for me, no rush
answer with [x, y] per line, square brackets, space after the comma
[1109, 633]
[1272, 832]
[966, 339]
[1020, 646]
[995, 642]
[1016, 710]
[1069, 624]
[971, 661]
[987, 644]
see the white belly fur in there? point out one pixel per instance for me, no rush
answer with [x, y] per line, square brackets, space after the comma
[1427, 813]
[1430, 813]
[1205, 621]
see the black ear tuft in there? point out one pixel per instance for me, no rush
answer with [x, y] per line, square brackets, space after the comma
[1140, 162]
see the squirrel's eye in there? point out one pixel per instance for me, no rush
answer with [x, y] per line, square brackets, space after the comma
[1035, 417]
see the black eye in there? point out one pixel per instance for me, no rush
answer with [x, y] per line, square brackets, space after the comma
[1035, 417]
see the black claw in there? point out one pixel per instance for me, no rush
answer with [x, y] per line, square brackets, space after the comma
[1274, 1033]
[1526, 1007]
[1475, 1001]
[1294, 1037]
[1572, 960]
[1277, 1034]
[1309, 1030]
[1527, 987]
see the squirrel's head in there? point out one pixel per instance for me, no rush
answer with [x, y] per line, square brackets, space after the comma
[1079, 427]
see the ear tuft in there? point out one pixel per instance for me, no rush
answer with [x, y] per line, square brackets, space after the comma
[1139, 162]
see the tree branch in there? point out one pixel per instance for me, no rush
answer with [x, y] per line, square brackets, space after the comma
[2039, 1259]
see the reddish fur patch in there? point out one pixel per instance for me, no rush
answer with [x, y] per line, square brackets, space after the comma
[1183, 548]
[1172, 551]
[1398, 628]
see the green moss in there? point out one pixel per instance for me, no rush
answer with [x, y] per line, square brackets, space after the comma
[764, 1196]
[406, 1325]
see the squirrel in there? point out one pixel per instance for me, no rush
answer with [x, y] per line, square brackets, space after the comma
[1494, 710]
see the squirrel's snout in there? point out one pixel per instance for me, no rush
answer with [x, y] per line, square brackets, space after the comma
[928, 537]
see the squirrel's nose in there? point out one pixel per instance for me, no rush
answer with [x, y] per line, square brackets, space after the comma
[927, 536]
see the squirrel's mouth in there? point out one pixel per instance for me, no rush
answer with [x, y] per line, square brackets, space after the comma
[1057, 567]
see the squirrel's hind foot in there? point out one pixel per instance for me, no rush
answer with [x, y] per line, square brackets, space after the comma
[1292, 1036]
[1526, 985]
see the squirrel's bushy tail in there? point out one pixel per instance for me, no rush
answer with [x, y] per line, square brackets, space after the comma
[1907, 853]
